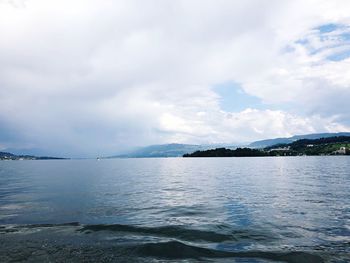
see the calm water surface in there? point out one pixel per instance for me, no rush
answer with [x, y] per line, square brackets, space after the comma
[294, 209]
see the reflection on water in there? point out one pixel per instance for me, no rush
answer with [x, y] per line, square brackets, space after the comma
[294, 209]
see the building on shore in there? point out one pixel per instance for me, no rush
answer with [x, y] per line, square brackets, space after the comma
[280, 149]
[342, 151]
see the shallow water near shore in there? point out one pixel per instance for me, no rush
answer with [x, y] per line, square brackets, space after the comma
[278, 209]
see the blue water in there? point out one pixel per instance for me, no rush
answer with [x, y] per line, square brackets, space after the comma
[279, 209]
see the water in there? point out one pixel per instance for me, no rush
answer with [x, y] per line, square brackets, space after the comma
[292, 209]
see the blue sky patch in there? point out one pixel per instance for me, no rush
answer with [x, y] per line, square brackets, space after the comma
[233, 98]
[339, 56]
[335, 39]
[327, 28]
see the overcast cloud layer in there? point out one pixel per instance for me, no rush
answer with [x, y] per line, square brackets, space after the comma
[85, 78]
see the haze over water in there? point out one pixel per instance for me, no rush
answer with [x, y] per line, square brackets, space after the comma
[178, 210]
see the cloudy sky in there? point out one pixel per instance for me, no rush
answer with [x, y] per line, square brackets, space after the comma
[87, 78]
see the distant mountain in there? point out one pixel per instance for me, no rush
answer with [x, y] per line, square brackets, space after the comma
[271, 142]
[165, 150]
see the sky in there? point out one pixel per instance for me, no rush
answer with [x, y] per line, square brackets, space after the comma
[88, 77]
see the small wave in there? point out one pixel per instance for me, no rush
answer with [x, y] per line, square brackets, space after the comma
[172, 231]
[165, 231]
[52, 225]
[171, 250]
[18, 228]
[177, 250]
[180, 232]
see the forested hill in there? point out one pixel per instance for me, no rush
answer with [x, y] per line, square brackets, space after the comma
[305, 142]
[322, 146]
[270, 142]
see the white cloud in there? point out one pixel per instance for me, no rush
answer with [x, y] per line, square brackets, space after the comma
[89, 77]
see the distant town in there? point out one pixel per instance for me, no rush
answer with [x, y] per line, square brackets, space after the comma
[5, 156]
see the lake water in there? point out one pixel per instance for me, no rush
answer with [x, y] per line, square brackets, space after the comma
[279, 209]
